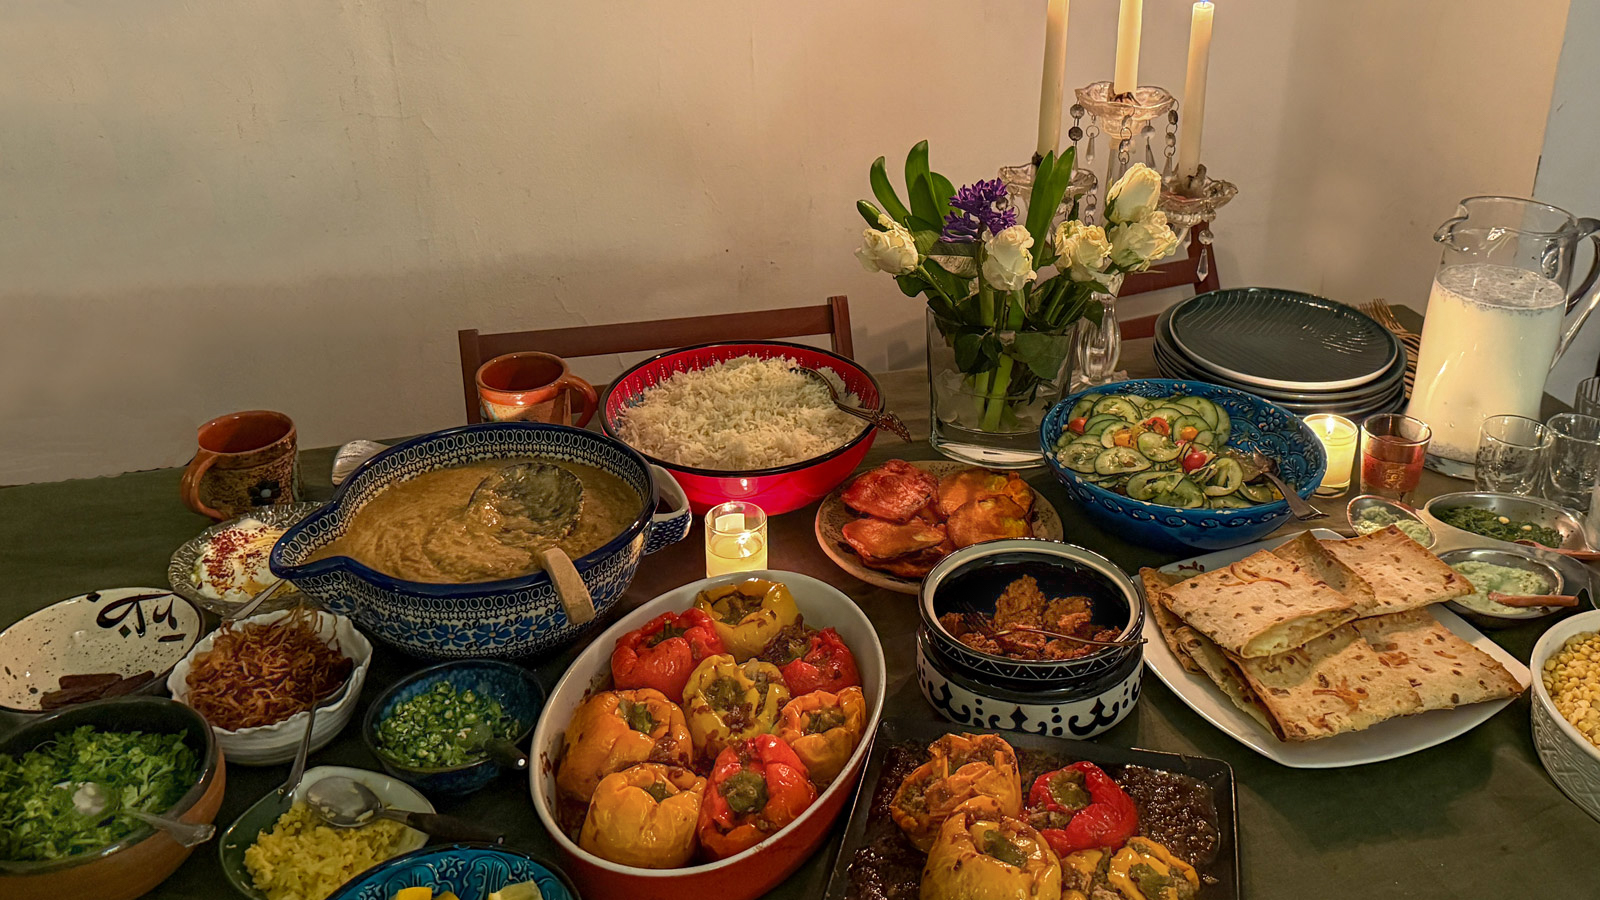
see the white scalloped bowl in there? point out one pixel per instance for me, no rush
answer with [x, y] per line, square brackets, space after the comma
[1570, 758]
[267, 745]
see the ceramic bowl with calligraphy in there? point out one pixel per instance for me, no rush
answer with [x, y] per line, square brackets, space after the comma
[470, 871]
[104, 643]
[267, 745]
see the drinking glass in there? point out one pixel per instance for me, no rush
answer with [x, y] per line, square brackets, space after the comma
[1511, 454]
[736, 538]
[1574, 460]
[1587, 401]
[1392, 450]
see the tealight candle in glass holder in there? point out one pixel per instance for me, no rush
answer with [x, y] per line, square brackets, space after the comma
[736, 538]
[1338, 436]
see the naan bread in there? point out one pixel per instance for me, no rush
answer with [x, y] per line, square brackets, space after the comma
[1209, 659]
[1310, 554]
[1445, 670]
[1332, 685]
[1259, 606]
[1155, 583]
[1402, 573]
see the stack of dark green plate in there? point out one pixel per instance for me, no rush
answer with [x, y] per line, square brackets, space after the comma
[1303, 352]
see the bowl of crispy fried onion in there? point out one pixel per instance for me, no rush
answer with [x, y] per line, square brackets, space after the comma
[255, 679]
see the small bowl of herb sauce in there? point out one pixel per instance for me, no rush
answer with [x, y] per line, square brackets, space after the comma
[451, 728]
[1369, 513]
[1506, 571]
[1506, 519]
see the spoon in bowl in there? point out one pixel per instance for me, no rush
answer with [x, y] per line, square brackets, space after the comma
[1579, 555]
[539, 504]
[347, 803]
[880, 418]
[94, 800]
[1298, 507]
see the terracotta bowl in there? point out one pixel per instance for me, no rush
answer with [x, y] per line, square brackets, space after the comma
[762, 867]
[776, 490]
[134, 866]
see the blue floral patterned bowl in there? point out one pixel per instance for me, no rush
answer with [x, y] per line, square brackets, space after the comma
[510, 618]
[520, 696]
[470, 871]
[1257, 425]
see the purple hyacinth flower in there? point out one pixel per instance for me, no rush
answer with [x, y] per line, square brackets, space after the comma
[987, 202]
[960, 228]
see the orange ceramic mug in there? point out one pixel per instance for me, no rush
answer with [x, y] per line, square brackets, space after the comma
[534, 387]
[246, 459]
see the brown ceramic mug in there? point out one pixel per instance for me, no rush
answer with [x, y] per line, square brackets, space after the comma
[534, 387]
[246, 459]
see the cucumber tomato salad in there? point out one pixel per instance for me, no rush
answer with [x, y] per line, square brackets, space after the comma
[1170, 451]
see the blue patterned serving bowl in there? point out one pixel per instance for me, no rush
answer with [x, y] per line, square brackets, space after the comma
[1257, 425]
[520, 696]
[470, 871]
[515, 617]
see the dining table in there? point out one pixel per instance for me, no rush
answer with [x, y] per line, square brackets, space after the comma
[1476, 816]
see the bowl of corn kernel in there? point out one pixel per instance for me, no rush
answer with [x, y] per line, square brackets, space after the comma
[1566, 707]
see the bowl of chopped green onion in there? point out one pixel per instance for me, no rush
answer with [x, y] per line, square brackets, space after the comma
[451, 728]
[152, 754]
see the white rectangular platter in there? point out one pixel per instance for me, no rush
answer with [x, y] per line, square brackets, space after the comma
[1386, 740]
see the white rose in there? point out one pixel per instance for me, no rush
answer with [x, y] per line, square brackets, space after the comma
[893, 250]
[1007, 264]
[1135, 194]
[1082, 250]
[1136, 245]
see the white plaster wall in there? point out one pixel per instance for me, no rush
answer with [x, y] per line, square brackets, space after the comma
[224, 205]
[1569, 170]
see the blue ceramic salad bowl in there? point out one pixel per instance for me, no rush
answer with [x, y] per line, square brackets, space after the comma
[520, 696]
[470, 871]
[1256, 425]
[511, 618]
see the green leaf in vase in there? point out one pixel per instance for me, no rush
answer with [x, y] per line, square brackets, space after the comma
[954, 286]
[943, 190]
[923, 203]
[911, 284]
[925, 233]
[884, 191]
[870, 213]
[969, 351]
[1043, 353]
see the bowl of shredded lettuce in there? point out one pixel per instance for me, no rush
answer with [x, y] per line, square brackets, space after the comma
[149, 753]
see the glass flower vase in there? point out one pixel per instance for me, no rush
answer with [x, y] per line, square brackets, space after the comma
[1097, 347]
[991, 417]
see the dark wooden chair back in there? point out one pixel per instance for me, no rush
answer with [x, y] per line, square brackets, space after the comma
[831, 318]
[1170, 274]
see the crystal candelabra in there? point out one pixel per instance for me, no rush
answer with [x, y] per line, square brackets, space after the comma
[1128, 124]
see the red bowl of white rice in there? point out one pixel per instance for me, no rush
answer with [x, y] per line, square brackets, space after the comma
[730, 421]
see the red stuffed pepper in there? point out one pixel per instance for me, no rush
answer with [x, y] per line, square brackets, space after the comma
[756, 788]
[1081, 808]
[812, 660]
[663, 653]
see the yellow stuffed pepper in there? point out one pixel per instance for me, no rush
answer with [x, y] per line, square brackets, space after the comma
[959, 767]
[983, 854]
[727, 701]
[1146, 870]
[748, 614]
[824, 729]
[616, 730]
[1080, 871]
[644, 816]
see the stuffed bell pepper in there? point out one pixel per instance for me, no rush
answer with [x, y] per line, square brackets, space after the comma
[664, 652]
[748, 614]
[812, 660]
[1081, 808]
[824, 728]
[644, 816]
[1146, 870]
[727, 701]
[960, 767]
[983, 854]
[615, 730]
[758, 786]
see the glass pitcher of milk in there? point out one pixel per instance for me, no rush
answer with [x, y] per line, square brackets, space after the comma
[1494, 323]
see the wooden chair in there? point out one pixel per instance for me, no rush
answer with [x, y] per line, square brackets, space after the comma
[831, 318]
[1170, 274]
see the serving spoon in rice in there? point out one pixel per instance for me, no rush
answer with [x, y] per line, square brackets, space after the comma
[880, 418]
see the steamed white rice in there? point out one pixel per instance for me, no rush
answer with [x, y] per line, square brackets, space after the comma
[739, 414]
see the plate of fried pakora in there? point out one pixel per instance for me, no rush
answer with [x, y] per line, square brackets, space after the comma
[890, 525]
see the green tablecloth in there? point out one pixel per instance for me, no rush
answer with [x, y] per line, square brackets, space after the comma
[1476, 817]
